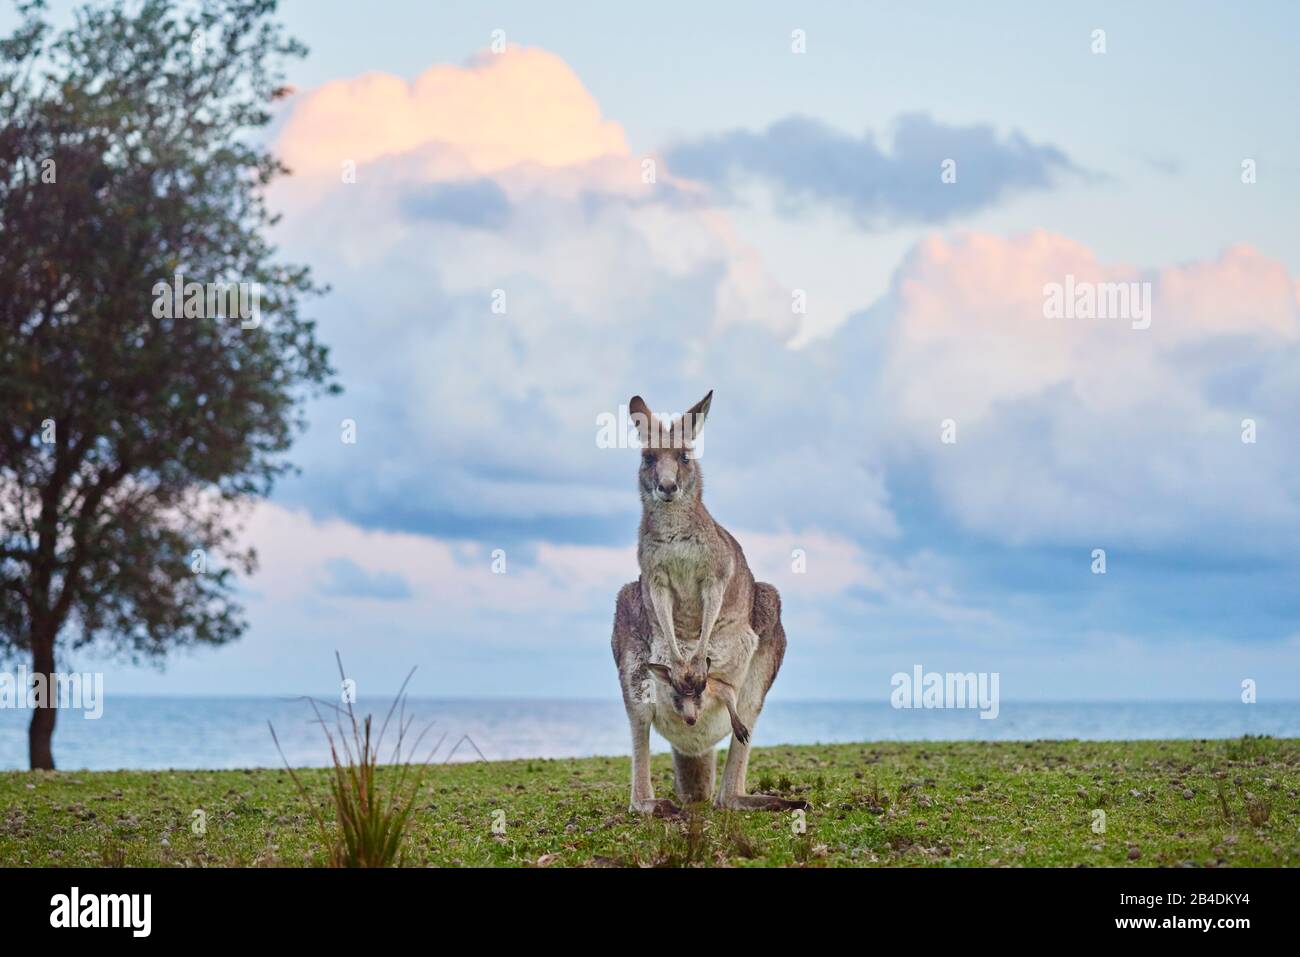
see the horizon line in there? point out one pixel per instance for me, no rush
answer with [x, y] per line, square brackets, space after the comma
[388, 696]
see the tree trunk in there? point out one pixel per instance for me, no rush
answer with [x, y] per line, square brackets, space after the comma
[41, 730]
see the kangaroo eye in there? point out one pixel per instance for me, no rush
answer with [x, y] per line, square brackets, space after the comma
[683, 458]
[648, 459]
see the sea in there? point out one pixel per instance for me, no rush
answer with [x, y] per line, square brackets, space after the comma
[155, 732]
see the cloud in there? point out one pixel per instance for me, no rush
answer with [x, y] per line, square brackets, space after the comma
[478, 360]
[477, 426]
[479, 203]
[346, 579]
[451, 579]
[541, 600]
[500, 110]
[478, 421]
[1079, 431]
[811, 164]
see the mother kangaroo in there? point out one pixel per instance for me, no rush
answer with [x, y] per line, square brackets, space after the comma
[697, 641]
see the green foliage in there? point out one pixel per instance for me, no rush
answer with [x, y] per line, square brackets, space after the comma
[128, 439]
[370, 818]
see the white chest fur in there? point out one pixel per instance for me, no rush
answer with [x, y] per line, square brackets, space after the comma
[712, 726]
[680, 561]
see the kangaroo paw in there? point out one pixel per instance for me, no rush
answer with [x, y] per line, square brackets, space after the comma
[740, 731]
[761, 802]
[656, 807]
[793, 805]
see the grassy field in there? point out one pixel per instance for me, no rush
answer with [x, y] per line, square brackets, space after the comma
[1166, 803]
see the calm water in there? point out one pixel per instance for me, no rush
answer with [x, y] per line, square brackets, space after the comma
[159, 732]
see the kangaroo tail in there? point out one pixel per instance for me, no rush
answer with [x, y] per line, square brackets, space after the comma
[630, 623]
[693, 775]
[765, 619]
[766, 613]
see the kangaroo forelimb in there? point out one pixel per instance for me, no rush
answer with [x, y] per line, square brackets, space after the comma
[710, 606]
[727, 694]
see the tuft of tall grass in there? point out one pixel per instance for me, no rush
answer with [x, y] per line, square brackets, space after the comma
[370, 817]
[683, 843]
[1257, 810]
[694, 840]
[1249, 747]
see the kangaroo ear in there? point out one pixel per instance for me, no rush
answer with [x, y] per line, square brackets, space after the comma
[693, 420]
[641, 418]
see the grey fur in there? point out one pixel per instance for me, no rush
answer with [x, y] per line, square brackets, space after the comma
[696, 640]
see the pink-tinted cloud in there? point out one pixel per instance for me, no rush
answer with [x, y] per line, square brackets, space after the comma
[970, 329]
[1242, 292]
[522, 106]
[1075, 427]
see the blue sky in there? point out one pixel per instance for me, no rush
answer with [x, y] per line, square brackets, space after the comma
[780, 173]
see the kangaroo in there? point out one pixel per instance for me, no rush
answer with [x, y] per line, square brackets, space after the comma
[696, 640]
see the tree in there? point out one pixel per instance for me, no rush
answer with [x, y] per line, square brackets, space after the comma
[136, 426]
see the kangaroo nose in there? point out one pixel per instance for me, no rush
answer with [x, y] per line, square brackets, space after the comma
[668, 488]
[690, 720]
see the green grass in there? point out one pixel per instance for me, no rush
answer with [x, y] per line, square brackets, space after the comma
[1167, 803]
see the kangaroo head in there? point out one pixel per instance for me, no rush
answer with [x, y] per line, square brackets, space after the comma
[684, 687]
[670, 470]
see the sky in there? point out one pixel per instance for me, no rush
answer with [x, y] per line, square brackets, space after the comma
[842, 219]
